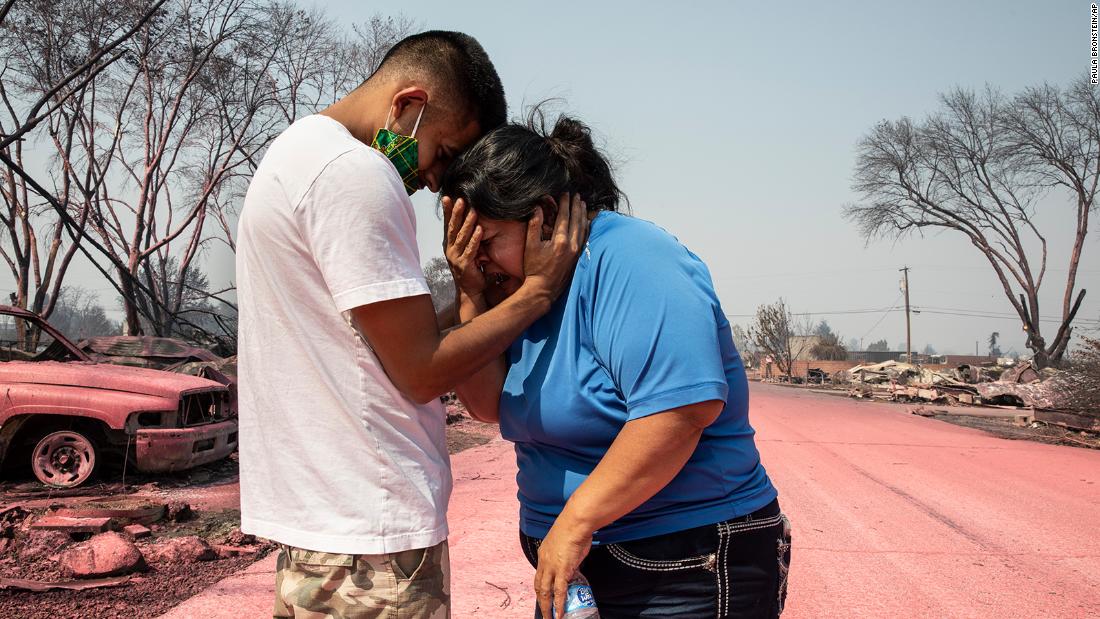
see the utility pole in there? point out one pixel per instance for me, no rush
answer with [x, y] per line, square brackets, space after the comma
[908, 331]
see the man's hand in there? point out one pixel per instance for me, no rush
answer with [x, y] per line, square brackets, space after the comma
[424, 363]
[560, 555]
[548, 263]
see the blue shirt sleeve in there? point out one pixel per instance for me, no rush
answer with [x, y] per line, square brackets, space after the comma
[654, 323]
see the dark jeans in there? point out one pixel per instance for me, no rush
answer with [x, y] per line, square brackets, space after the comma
[736, 568]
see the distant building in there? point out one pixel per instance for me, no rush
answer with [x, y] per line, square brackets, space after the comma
[801, 345]
[969, 360]
[867, 357]
[875, 356]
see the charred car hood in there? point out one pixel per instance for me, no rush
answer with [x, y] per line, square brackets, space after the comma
[104, 376]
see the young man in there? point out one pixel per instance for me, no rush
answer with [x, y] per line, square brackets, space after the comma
[341, 358]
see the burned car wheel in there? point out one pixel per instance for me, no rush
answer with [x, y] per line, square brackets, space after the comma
[63, 459]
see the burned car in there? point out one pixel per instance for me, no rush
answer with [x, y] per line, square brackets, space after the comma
[163, 353]
[63, 411]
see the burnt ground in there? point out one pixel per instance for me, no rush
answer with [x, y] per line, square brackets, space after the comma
[211, 491]
[148, 595]
[32, 554]
[1038, 432]
[465, 433]
[999, 426]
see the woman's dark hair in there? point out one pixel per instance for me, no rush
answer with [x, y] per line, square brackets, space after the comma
[508, 172]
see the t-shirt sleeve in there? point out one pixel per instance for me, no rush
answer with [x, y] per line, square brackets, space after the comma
[361, 232]
[654, 325]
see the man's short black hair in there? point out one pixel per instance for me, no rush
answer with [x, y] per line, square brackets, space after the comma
[459, 65]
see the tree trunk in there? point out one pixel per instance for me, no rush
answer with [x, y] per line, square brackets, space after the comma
[132, 322]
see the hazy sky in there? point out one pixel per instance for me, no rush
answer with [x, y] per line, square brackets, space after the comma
[735, 125]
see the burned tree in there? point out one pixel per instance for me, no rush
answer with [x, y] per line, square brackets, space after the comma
[78, 314]
[827, 345]
[744, 345]
[878, 346]
[980, 167]
[155, 152]
[32, 240]
[201, 95]
[440, 282]
[1080, 383]
[48, 68]
[777, 336]
[994, 346]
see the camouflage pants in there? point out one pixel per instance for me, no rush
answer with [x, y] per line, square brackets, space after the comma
[414, 584]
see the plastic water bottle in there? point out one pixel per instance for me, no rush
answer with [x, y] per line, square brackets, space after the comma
[579, 601]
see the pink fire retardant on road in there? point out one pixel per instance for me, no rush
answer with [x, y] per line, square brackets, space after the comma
[489, 575]
[894, 515]
[484, 523]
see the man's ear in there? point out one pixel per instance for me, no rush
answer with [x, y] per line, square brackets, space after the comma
[549, 215]
[405, 107]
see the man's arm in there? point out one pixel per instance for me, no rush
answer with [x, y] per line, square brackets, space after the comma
[481, 392]
[447, 317]
[424, 362]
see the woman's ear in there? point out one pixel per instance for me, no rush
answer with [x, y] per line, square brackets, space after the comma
[549, 215]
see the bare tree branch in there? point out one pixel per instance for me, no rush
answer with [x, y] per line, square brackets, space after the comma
[979, 167]
[5, 9]
[82, 75]
[158, 112]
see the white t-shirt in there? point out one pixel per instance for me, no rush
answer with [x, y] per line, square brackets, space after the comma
[333, 457]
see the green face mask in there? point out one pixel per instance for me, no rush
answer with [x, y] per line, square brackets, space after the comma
[402, 151]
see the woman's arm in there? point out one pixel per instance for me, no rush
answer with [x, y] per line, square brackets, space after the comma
[481, 392]
[646, 455]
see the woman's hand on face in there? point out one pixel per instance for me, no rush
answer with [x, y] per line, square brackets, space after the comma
[550, 262]
[560, 554]
[461, 241]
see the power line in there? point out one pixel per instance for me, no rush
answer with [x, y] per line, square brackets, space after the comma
[973, 311]
[925, 309]
[860, 311]
[803, 274]
[883, 317]
[955, 311]
[831, 313]
[1088, 321]
[955, 267]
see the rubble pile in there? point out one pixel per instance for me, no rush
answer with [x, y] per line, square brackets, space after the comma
[106, 554]
[89, 545]
[1018, 385]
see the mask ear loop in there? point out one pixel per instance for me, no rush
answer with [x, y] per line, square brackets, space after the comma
[418, 117]
[389, 117]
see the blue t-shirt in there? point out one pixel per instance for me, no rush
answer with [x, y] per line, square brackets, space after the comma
[639, 332]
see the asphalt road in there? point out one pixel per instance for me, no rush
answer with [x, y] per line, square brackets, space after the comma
[894, 516]
[897, 515]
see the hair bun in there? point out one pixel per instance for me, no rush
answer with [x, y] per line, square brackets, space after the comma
[510, 170]
[571, 141]
[570, 136]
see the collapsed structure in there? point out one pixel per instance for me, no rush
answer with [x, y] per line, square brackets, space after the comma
[1019, 385]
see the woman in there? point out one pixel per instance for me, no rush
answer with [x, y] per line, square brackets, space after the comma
[627, 402]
